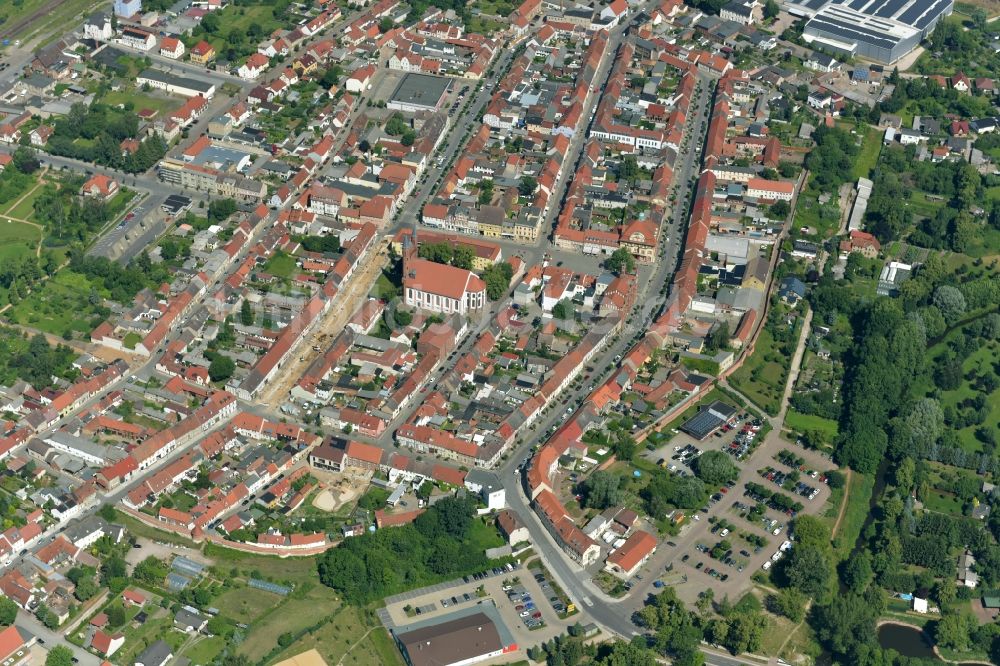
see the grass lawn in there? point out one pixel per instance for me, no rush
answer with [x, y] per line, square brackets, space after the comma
[294, 570]
[290, 616]
[943, 502]
[244, 604]
[484, 537]
[13, 12]
[347, 631]
[18, 232]
[131, 340]
[138, 638]
[17, 240]
[140, 529]
[762, 377]
[804, 422]
[280, 265]
[26, 208]
[62, 304]
[859, 494]
[239, 18]
[384, 289]
[140, 100]
[871, 146]
[924, 205]
[205, 650]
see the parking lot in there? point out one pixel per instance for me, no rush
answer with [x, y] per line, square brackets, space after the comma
[744, 526]
[525, 603]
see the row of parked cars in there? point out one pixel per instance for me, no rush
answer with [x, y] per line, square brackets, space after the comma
[495, 571]
[780, 479]
[778, 554]
[524, 605]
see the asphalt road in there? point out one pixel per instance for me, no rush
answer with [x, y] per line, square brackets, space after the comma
[615, 616]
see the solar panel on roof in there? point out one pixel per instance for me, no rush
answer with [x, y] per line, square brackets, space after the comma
[702, 424]
[891, 8]
[851, 33]
[935, 12]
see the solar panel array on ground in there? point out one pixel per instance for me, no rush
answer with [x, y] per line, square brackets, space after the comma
[269, 587]
[177, 582]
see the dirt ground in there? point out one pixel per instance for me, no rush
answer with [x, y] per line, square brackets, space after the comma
[338, 489]
[164, 551]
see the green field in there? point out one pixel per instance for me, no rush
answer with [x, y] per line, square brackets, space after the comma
[62, 304]
[244, 604]
[240, 18]
[803, 422]
[24, 209]
[140, 100]
[762, 376]
[367, 644]
[871, 146]
[859, 493]
[18, 239]
[205, 649]
[280, 265]
[942, 502]
[984, 357]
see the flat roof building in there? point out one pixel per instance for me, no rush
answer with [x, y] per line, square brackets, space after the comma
[464, 637]
[419, 92]
[176, 85]
[708, 420]
[880, 30]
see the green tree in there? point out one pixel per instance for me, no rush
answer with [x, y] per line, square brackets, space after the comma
[808, 570]
[497, 278]
[780, 209]
[462, 257]
[151, 570]
[602, 490]
[220, 209]
[527, 186]
[221, 368]
[856, 571]
[789, 602]
[629, 169]
[116, 613]
[954, 630]
[771, 9]
[48, 618]
[114, 567]
[85, 589]
[563, 309]
[8, 611]
[59, 655]
[621, 261]
[715, 468]
[246, 313]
